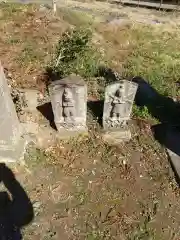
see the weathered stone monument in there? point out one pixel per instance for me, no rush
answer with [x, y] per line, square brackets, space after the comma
[69, 104]
[12, 145]
[118, 103]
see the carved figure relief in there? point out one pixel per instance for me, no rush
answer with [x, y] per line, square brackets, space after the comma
[118, 104]
[68, 98]
[68, 105]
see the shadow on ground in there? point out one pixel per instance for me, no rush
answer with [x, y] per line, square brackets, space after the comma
[108, 74]
[163, 108]
[160, 107]
[96, 108]
[16, 209]
[167, 111]
[51, 75]
[47, 112]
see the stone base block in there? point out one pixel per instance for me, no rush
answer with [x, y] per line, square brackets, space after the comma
[15, 152]
[175, 162]
[68, 133]
[116, 137]
[44, 136]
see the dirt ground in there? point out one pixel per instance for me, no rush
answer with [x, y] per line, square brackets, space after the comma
[85, 188]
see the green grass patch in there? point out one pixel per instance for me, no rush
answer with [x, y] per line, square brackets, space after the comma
[156, 58]
[143, 113]
[34, 156]
[75, 17]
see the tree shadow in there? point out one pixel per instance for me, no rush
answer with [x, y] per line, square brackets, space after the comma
[168, 135]
[47, 112]
[167, 111]
[96, 108]
[16, 209]
[160, 107]
[52, 75]
[108, 74]
[45, 78]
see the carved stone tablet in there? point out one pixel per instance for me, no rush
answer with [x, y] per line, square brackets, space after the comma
[11, 143]
[118, 104]
[69, 103]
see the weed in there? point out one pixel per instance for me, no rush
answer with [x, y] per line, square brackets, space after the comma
[143, 113]
[143, 231]
[19, 100]
[27, 55]
[13, 40]
[34, 156]
[94, 235]
[75, 54]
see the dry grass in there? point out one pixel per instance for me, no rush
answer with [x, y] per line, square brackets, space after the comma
[27, 40]
[116, 43]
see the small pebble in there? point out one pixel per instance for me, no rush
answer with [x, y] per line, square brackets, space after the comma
[93, 172]
[124, 162]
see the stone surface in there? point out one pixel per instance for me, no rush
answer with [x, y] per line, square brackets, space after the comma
[118, 103]
[31, 98]
[59, 192]
[118, 136]
[30, 113]
[69, 104]
[175, 162]
[42, 135]
[12, 145]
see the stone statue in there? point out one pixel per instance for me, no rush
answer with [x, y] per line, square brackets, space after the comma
[68, 105]
[117, 103]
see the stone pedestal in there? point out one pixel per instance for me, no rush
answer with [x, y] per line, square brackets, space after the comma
[119, 136]
[69, 104]
[118, 103]
[12, 145]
